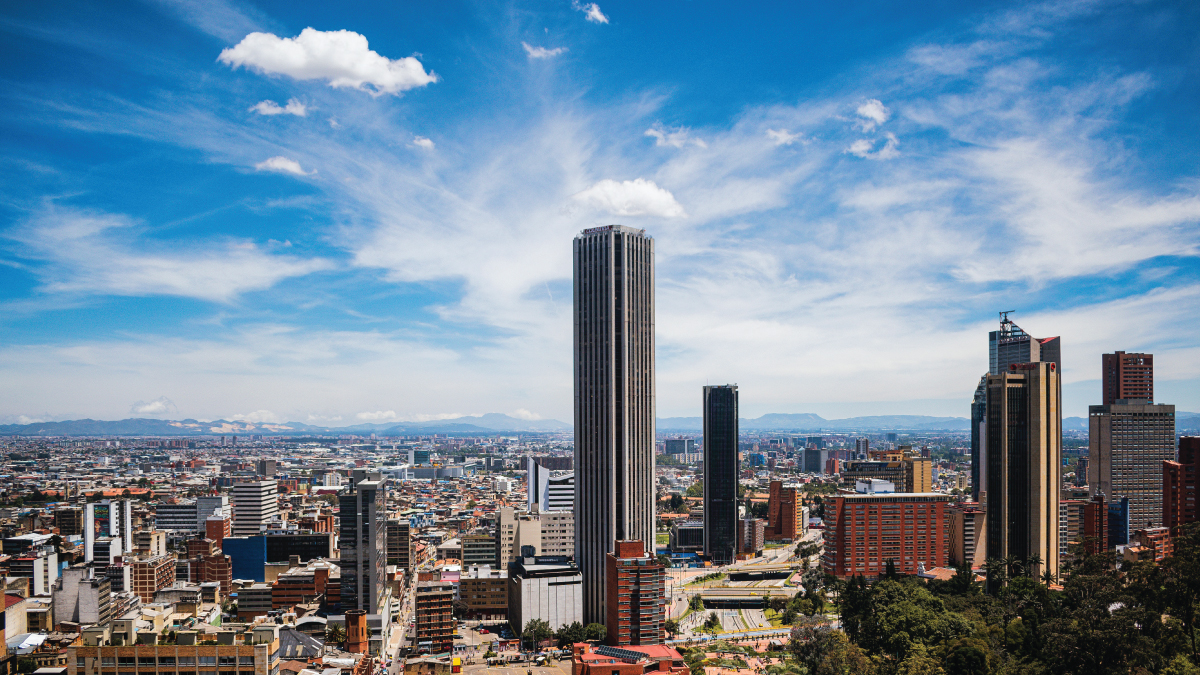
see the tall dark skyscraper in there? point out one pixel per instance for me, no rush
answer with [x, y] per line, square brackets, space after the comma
[1006, 346]
[979, 439]
[721, 473]
[1024, 464]
[362, 536]
[1128, 377]
[614, 400]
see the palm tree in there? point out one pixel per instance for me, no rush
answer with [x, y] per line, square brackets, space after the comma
[1032, 563]
[335, 634]
[1049, 577]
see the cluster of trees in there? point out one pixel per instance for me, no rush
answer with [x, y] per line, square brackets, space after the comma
[537, 631]
[1110, 617]
[809, 603]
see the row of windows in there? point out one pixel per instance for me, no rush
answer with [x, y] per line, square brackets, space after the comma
[170, 660]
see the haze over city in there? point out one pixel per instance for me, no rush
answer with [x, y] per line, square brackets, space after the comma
[209, 213]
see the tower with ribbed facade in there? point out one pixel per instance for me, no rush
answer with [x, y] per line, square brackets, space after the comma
[614, 400]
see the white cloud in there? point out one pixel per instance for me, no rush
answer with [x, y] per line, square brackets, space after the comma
[866, 149]
[258, 417]
[591, 11]
[377, 416]
[333, 123]
[873, 113]
[159, 406]
[523, 414]
[783, 136]
[293, 107]
[675, 138]
[422, 142]
[542, 52]
[638, 197]
[283, 165]
[96, 253]
[340, 57]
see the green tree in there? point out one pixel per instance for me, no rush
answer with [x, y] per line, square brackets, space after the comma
[696, 489]
[712, 623]
[671, 626]
[696, 603]
[536, 631]
[569, 634]
[335, 634]
[595, 632]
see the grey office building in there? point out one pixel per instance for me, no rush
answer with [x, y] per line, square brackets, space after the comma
[1128, 441]
[721, 473]
[614, 400]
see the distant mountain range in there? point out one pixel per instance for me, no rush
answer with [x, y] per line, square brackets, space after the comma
[480, 424]
[811, 422]
[496, 422]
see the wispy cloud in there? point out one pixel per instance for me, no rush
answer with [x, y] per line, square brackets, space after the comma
[542, 52]
[674, 138]
[282, 164]
[342, 58]
[871, 150]
[83, 252]
[422, 142]
[591, 11]
[783, 136]
[293, 107]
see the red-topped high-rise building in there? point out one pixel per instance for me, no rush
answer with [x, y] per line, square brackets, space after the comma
[1179, 484]
[1128, 376]
[636, 602]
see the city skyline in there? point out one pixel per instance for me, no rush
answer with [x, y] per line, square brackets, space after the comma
[194, 228]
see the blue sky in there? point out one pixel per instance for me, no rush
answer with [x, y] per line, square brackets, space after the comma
[332, 214]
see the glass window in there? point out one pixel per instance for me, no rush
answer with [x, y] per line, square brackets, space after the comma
[80, 662]
[187, 660]
[166, 660]
[126, 661]
[108, 660]
[208, 660]
[146, 660]
[246, 660]
[228, 660]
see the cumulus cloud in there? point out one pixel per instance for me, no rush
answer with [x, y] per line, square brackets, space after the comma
[783, 136]
[638, 197]
[422, 142]
[283, 165]
[258, 417]
[872, 113]
[523, 414]
[159, 406]
[342, 58]
[866, 149]
[591, 11]
[293, 107]
[377, 416]
[542, 52]
[675, 138]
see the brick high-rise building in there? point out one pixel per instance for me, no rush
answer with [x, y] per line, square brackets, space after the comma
[151, 574]
[785, 512]
[635, 585]
[1024, 464]
[1179, 484]
[1128, 377]
[1128, 442]
[614, 399]
[721, 473]
[434, 616]
[752, 536]
[864, 531]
